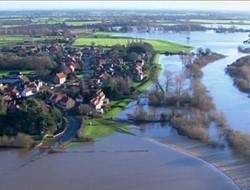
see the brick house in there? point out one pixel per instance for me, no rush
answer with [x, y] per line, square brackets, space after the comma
[59, 78]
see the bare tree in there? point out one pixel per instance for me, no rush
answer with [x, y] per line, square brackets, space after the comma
[169, 82]
[179, 82]
[246, 71]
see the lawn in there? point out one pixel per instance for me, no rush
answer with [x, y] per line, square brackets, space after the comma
[100, 127]
[103, 39]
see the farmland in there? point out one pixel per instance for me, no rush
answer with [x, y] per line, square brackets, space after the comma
[102, 39]
[6, 40]
[81, 23]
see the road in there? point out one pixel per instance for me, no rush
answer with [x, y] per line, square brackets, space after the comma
[69, 134]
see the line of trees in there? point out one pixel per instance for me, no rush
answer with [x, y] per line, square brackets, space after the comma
[42, 64]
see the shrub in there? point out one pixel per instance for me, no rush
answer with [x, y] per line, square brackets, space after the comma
[191, 128]
[21, 140]
[141, 115]
[219, 119]
[239, 142]
[24, 141]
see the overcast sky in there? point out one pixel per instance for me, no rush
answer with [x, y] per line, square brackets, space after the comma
[198, 5]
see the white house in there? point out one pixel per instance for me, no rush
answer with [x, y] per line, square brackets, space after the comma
[26, 92]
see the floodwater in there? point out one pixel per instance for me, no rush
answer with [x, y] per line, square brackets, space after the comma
[147, 162]
[117, 162]
[228, 99]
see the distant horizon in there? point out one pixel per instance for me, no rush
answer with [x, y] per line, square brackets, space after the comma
[232, 6]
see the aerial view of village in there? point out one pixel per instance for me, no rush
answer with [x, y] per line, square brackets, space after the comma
[108, 95]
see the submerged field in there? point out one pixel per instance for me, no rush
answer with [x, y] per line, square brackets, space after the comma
[222, 21]
[103, 39]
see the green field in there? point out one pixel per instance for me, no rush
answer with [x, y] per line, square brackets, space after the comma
[103, 39]
[81, 23]
[25, 72]
[6, 40]
[100, 127]
[216, 21]
[20, 39]
[48, 20]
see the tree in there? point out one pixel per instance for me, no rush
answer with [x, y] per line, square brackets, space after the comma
[132, 56]
[3, 106]
[154, 74]
[199, 51]
[47, 123]
[179, 82]
[207, 51]
[169, 82]
[246, 71]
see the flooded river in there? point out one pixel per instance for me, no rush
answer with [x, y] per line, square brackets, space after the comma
[125, 162]
[228, 99]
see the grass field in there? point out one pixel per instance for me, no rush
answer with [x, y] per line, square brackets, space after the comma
[18, 39]
[81, 23]
[47, 20]
[5, 40]
[25, 72]
[100, 127]
[103, 39]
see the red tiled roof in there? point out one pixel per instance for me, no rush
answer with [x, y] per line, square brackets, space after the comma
[60, 75]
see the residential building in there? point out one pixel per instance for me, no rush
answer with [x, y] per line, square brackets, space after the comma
[97, 101]
[27, 92]
[59, 78]
[66, 103]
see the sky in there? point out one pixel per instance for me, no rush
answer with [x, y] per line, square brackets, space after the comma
[118, 4]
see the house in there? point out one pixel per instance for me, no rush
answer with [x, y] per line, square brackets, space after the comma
[35, 86]
[97, 101]
[65, 69]
[79, 99]
[2, 87]
[54, 98]
[12, 91]
[138, 74]
[102, 62]
[79, 54]
[61, 100]
[72, 67]
[66, 103]
[140, 62]
[59, 78]
[7, 98]
[27, 92]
